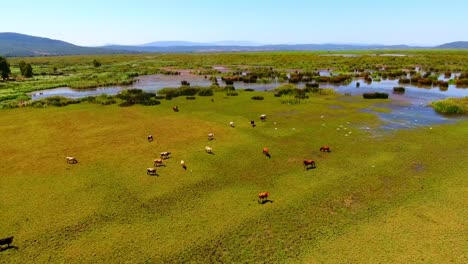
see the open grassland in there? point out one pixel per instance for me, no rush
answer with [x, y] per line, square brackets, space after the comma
[376, 198]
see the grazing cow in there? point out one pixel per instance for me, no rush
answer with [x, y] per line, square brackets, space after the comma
[71, 160]
[266, 152]
[209, 150]
[150, 138]
[325, 149]
[309, 164]
[263, 197]
[158, 162]
[252, 123]
[175, 108]
[182, 163]
[210, 136]
[165, 155]
[151, 171]
[231, 124]
[263, 117]
[6, 241]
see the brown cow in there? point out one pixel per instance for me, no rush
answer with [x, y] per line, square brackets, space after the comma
[150, 138]
[263, 197]
[325, 149]
[165, 155]
[266, 152]
[175, 108]
[158, 162]
[309, 164]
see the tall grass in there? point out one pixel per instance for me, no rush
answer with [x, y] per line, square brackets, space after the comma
[452, 106]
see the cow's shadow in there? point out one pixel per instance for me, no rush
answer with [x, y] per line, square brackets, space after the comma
[265, 201]
[8, 247]
[310, 168]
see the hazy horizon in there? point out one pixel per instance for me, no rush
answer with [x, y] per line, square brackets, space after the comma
[88, 23]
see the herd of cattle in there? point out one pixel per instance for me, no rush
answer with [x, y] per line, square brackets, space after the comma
[262, 197]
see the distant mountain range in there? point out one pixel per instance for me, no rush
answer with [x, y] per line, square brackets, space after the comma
[189, 43]
[14, 44]
[19, 45]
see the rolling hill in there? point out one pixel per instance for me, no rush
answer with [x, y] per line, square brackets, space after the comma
[20, 45]
[454, 45]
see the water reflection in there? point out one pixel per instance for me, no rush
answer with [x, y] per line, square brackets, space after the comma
[153, 83]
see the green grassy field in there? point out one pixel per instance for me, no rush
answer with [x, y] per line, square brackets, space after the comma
[378, 197]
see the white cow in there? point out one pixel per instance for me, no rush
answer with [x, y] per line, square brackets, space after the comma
[71, 160]
[210, 136]
[231, 124]
[208, 150]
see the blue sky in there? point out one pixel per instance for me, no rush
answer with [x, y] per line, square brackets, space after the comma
[98, 22]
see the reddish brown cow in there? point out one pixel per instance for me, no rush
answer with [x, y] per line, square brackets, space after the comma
[308, 164]
[325, 149]
[158, 162]
[263, 196]
[266, 152]
[175, 108]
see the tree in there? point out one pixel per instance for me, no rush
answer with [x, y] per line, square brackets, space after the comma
[28, 72]
[4, 68]
[21, 65]
[26, 69]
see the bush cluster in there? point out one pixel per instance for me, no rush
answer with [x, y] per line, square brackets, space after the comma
[375, 95]
[457, 106]
[399, 89]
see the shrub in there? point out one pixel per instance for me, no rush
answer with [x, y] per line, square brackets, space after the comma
[326, 91]
[458, 106]
[399, 89]
[257, 97]
[231, 93]
[205, 92]
[137, 96]
[249, 90]
[286, 89]
[54, 101]
[229, 88]
[375, 95]
[184, 83]
[425, 81]
[462, 82]
[190, 98]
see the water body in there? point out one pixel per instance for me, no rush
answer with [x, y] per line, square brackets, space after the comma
[408, 110]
